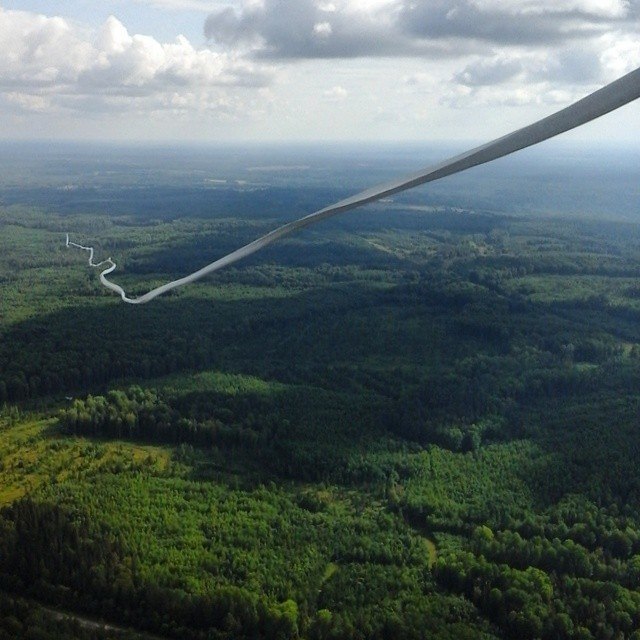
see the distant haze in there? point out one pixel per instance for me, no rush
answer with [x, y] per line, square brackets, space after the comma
[211, 71]
[558, 177]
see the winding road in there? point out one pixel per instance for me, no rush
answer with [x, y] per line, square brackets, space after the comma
[599, 103]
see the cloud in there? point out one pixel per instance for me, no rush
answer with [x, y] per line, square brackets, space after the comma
[39, 51]
[25, 102]
[545, 76]
[266, 58]
[515, 23]
[49, 62]
[516, 52]
[179, 5]
[598, 8]
[595, 62]
[620, 53]
[323, 29]
[287, 29]
[336, 93]
[495, 70]
[574, 65]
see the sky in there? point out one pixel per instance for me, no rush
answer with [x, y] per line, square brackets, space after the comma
[208, 71]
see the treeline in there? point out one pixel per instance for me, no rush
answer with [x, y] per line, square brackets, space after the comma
[267, 429]
[141, 414]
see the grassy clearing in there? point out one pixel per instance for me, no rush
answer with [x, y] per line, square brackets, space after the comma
[33, 455]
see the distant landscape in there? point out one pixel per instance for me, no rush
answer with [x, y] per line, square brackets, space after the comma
[419, 420]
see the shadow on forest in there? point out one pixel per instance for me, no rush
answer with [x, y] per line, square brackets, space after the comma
[354, 354]
[337, 242]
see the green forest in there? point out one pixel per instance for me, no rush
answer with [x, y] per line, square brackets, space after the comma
[417, 422]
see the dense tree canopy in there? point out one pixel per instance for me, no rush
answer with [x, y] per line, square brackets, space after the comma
[425, 429]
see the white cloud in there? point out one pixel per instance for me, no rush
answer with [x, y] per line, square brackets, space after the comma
[549, 76]
[180, 5]
[620, 53]
[612, 9]
[39, 51]
[49, 62]
[417, 79]
[26, 102]
[322, 29]
[489, 71]
[521, 52]
[407, 62]
[336, 93]
[519, 80]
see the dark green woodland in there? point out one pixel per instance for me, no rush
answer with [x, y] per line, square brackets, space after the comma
[417, 421]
